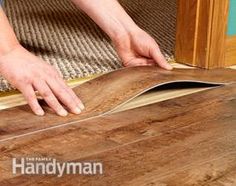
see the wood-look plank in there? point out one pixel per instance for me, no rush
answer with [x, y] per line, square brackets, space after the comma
[189, 140]
[105, 93]
[14, 98]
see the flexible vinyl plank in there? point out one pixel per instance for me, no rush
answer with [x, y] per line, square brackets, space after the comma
[190, 140]
[162, 93]
[144, 99]
[15, 98]
[105, 93]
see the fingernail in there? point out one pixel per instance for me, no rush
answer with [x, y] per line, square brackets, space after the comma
[77, 111]
[63, 112]
[40, 112]
[170, 67]
[82, 106]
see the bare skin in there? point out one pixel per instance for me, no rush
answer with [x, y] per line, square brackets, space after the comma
[29, 73]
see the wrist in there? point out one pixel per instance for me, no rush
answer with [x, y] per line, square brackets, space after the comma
[8, 48]
[4, 55]
[123, 33]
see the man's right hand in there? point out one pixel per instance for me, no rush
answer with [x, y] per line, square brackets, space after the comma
[29, 73]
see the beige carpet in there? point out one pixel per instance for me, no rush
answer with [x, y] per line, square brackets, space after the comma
[63, 36]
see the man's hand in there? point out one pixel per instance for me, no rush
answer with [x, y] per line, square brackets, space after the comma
[28, 74]
[137, 48]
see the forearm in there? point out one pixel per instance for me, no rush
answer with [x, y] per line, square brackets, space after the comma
[109, 15]
[8, 39]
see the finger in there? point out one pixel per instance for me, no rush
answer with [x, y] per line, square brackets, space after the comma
[141, 62]
[64, 96]
[49, 97]
[160, 59]
[152, 62]
[60, 80]
[29, 94]
[72, 93]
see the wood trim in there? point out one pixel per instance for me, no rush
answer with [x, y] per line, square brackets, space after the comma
[206, 36]
[186, 23]
[217, 34]
[230, 48]
[202, 30]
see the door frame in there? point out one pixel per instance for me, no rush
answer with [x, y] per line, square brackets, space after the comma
[201, 35]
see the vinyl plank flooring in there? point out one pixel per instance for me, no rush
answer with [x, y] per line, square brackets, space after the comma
[105, 93]
[15, 98]
[189, 140]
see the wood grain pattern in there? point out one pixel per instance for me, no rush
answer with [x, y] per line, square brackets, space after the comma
[185, 31]
[217, 34]
[204, 33]
[189, 140]
[230, 56]
[15, 98]
[104, 94]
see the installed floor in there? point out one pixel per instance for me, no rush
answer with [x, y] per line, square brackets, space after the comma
[189, 140]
